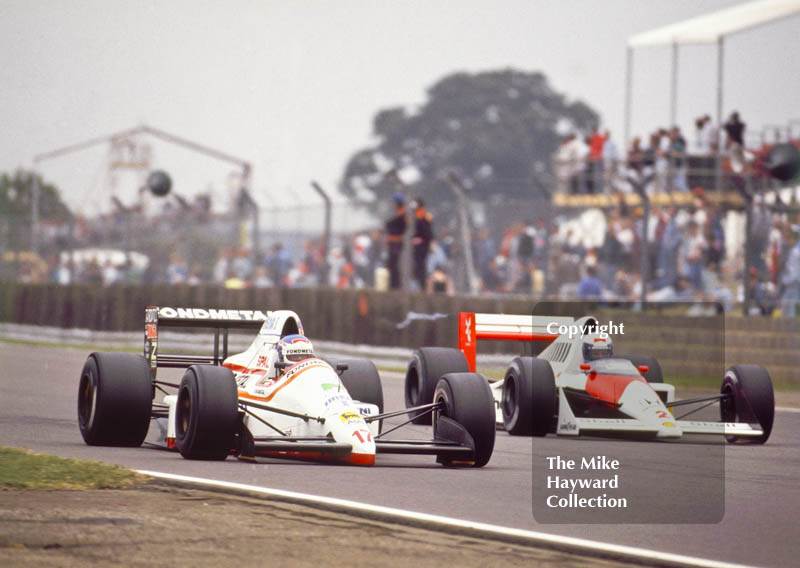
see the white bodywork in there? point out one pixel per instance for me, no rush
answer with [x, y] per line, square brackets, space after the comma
[619, 382]
[311, 388]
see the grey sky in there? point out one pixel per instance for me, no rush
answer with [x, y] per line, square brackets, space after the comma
[292, 86]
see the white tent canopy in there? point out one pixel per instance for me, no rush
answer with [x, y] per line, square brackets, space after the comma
[711, 28]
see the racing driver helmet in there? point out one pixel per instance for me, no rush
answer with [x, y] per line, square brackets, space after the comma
[294, 348]
[595, 347]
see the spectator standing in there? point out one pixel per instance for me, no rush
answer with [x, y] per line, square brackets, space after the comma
[636, 156]
[590, 287]
[421, 242]
[677, 155]
[395, 232]
[791, 279]
[695, 255]
[668, 253]
[734, 130]
[597, 141]
[610, 158]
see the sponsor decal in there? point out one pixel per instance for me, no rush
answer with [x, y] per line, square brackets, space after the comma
[262, 361]
[150, 315]
[364, 411]
[468, 331]
[151, 331]
[201, 314]
[571, 426]
[297, 367]
[329, 386]
[270, 323]
[265, 382]
[669, 424]
[348, 416]
[336, 399]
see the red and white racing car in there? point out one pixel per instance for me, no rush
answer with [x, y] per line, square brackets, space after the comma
[577, 385]
[275, 399]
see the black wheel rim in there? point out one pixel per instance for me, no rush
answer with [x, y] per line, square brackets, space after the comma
[728, 405]
[509, 397]
[184, 412]
[86, 400]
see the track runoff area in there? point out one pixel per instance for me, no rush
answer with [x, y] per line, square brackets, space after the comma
[627, 554]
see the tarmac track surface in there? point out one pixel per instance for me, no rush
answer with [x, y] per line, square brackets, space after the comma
[38, 392]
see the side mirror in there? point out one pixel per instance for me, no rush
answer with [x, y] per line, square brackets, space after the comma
[341, 367]
[586, 367]
[643, 368]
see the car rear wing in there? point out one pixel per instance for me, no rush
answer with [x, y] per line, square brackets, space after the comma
[221, 321]
[503, 327]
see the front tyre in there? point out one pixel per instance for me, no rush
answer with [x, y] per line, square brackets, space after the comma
[467, 399]
[207, 414]
[115, 396]
[750, 399]
[529, 397]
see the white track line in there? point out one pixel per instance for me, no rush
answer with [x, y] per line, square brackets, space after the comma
[786, 409]
[563, 543]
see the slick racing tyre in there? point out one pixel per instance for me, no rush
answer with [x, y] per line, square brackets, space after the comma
[427, 366]
[751, 400]
[529, 397]
[115, 396]
[362, 381]
[467, 399]
[653, 374]
[207, 414]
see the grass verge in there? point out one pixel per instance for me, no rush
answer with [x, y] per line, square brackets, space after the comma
[23, 469]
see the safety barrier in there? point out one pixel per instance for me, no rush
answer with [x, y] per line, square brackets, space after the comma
[680, 342]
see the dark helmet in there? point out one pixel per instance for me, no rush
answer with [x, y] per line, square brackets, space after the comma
[597, 348]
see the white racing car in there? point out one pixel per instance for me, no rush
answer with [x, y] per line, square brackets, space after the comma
[275, 399]
[577, 385]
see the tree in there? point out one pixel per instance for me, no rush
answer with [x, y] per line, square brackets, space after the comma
[496, 130]
[16, 197]
[16, 200]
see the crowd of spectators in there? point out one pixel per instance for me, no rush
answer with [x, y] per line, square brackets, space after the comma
[592, 163]
[686, 254]
[686, 257]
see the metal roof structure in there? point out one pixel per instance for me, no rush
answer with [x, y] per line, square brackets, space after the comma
[711, 28]
[708, 29]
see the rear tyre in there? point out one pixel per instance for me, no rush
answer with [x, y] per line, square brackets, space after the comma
[653, 374]
[115, 397]
[207, 417]
[751, 400]
[467, 399]
[427, 366]
[529, 397]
